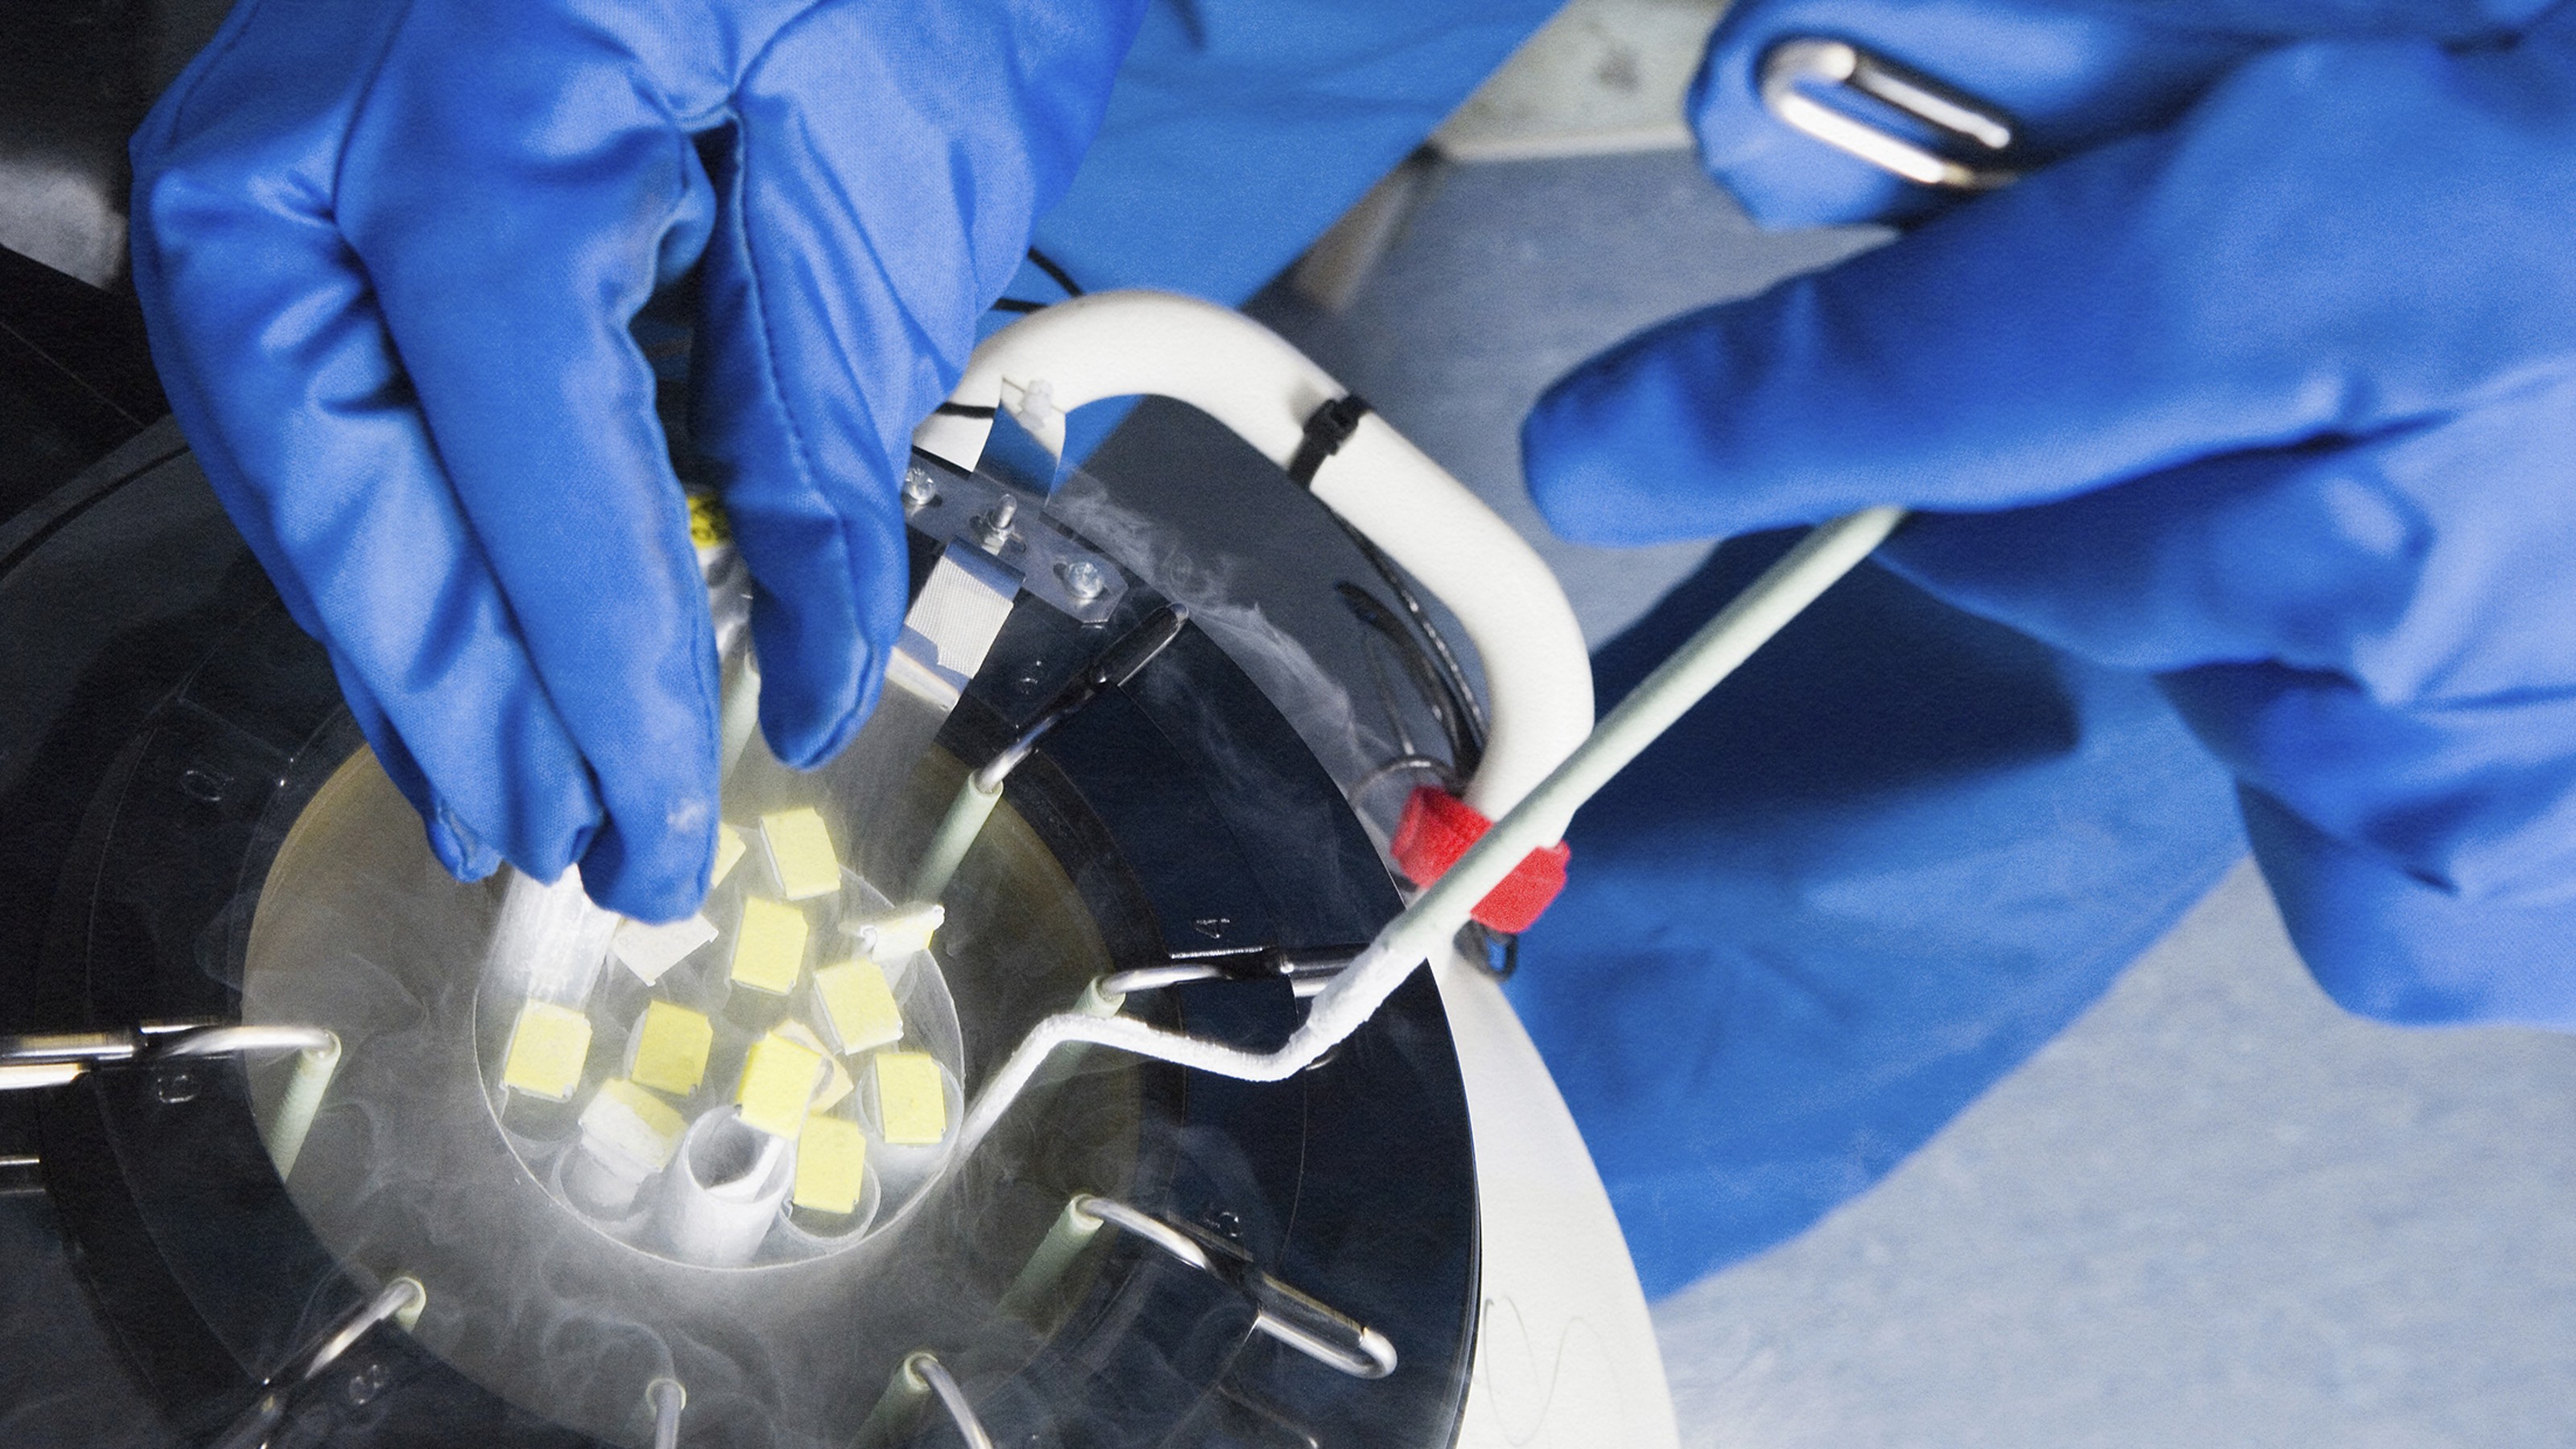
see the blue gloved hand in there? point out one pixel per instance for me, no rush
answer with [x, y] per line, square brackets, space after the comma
[2268, 387]
[390, 251]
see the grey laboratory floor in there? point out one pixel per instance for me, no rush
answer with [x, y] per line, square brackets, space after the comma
[2216, 1210]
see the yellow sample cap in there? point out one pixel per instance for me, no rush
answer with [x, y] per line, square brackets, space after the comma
[628, 1122]
[707, 523]
[547, 1049]
[837, 1083]
[778, 1082]
[669, 1051]
[831, 1165]
[912, 1106]
[856, 1006]
[800, 850]
[729, 849]
[769, 951]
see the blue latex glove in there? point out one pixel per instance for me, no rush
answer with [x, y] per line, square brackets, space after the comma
[390, 253]
[1240, 130]
[1889, 858]
[2266, 388]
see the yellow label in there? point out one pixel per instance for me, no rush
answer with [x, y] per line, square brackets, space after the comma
[831, 1165]
[707, 525]
[670, 1050]
[800, 851]
[729, 849]
[769, 951]
[837, 1082]
[547, 1050]
[912, 1106]
[628, 1121]
[778, 1082]
[858, 1008]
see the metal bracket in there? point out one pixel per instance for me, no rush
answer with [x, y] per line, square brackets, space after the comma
[973, 511]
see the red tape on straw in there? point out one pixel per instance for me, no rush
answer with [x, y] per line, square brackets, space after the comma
[1436, 829]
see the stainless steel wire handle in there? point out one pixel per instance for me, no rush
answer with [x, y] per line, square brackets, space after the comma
[257, 1424]
[1313, 1328]
[1794, 65]
[666, 1397]
[35, 1063]
[925, 1367]
[402, 1295]
[897, 1416]
[30, 1063]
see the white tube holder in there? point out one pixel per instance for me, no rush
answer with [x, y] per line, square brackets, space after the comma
[1435, 916]
[1543, 757]
[721, 1224]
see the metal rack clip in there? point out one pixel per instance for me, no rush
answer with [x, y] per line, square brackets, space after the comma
[1311, 1327]
[1807, 60]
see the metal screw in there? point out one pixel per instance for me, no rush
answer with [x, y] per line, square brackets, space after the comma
[920, 490]
[175, 1085]
[366, 1381]
[994, 529]
[1083, 579]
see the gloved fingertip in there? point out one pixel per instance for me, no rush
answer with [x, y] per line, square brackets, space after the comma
[663, 880]
[797, 736]
[811, 747]
[806, 727]
[1569, 493]
[1589, 489]
[458, 848]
